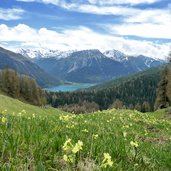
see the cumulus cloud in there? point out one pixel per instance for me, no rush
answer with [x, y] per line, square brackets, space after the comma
[11, 14]
[80, 38]
[146, 24]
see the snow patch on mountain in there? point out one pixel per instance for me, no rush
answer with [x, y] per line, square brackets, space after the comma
[43, 53]
[116, 55]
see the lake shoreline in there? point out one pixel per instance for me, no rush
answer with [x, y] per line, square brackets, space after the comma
[70, 87]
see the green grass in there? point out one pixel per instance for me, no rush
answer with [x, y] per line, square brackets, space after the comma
[32, 138]
[13, 105]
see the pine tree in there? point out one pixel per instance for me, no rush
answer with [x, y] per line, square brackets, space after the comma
[163, 98]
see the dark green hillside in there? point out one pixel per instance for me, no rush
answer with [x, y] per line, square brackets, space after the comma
[25, 66]
[21, 87]
[138, 88]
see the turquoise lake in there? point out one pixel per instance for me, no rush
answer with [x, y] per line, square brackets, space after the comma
[72, 87]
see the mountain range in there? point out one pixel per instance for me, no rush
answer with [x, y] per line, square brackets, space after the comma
[49, 67]
[23, 65]
[89, 66]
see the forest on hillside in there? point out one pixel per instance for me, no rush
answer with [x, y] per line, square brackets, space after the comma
[21, 87]
[146, 91]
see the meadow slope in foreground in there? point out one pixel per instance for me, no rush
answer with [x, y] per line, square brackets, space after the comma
[33, 138]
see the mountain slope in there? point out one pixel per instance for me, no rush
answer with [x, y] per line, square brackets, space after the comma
[89, 66]
[138, 63]
[92, 66]
[25, 66]
[131, 90]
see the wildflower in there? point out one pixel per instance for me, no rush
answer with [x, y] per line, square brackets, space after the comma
[134, 144]
[23, 111]
[4, 111]
[77, 147]
[95, 136]
[136, 164]
[33, 115]
[85, 130]
[68, 158]
[146, 133]
[4, 120]
[106, 161]
[67, 145]
[124, 134]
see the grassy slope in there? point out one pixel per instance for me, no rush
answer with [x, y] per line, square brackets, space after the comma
[35, 142]
[13, 105]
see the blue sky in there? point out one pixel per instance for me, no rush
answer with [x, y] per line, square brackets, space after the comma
[131, 26]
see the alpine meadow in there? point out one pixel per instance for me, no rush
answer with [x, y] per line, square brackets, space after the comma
[85, 85]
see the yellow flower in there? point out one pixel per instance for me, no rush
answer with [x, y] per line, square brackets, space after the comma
[23, 111]
[106, 161]
[33, 115]
[85, 130]
[77, 147]
[134, 144]
[107, 156]
[65, 157]
[124, 134]
[4, 120]
[95, 136]
[136, 164]
[68, 158]
[67, 145]
[4, 111]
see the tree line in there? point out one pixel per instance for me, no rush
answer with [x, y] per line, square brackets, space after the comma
[137, 92]
[21, 87]
[163, 99]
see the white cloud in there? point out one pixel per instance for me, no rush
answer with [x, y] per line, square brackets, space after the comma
[99, 7]
[157, 16]
[143, 30]
[95, 2]
[109, 10]
[11, 14]
[77, 38]
[146, 24]
[114, 2]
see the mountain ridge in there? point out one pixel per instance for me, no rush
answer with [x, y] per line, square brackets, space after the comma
[93, 66]
[23, 65]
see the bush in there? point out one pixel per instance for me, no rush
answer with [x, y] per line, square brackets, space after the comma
[82, 107]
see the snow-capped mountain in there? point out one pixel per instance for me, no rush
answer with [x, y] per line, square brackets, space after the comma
[43, 53]
[139, 62]
[94, 66]
[116, 55]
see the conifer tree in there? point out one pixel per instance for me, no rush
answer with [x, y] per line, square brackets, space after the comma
[163, 98]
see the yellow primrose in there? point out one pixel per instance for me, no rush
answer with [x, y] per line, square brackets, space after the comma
[77, 147]
[4, 111]
[95, 136]
[85, 130]
[134, 144]
[68, 158]
[67, 145]
[106, 161]
[4, 120]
